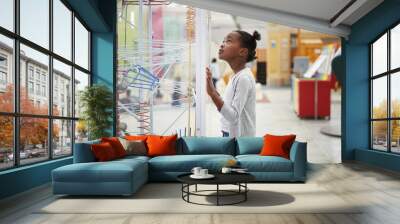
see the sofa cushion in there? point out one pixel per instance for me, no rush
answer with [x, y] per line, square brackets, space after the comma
[83, 152]
[131, 158]
[185, 163]
[93, 172]
[257, 163]
[249, 145]
[206, 145]
[112, 171]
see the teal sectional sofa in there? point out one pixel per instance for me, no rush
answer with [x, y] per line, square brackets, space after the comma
[125, 176]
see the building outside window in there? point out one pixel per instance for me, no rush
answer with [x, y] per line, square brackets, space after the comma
[37, 89]
[55, 98]
[43, 90]
[3, 77]
[3, 70]
[3, 61]
[43, 78]
[30, 87]
[37, 74]
[30, 72]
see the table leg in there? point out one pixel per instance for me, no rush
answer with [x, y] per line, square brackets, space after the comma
[245, 193]
[188, 190]
[196, 188]
[217, 194]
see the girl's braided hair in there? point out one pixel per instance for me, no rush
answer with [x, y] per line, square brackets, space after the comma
[250, 42]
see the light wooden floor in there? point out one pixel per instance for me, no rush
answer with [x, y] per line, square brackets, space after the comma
[378, 189]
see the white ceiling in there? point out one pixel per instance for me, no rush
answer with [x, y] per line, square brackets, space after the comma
[313, 15]
[320, 9]
[221, 24]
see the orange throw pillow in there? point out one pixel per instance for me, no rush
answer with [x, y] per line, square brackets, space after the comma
[103, 152]
[277, 145]
[136, 137]
[116, 145]
[161, 145]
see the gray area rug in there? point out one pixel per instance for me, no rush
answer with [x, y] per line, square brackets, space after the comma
[166, 198]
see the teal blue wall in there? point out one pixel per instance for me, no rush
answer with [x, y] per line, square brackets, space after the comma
[103, 58]
[100, 17]
[104, 52]
[355, 112]
[355, 96]
[24, 178]
[103, 63]
[90, 12]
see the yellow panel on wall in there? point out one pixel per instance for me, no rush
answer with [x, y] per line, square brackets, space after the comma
[278, 56]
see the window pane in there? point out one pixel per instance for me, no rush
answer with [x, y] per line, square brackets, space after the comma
[62, 138]
[6, 142]
[33, 139]
[81, 132]
[62, 29]
[379, 55]
[379, 97]
[35, 21]
[395, 94]
[395, 136]
[81, 81]
[6, 74]
[62, 89]
[395, 47]
[379, 135]
[81, 45]
[7, 14]
[34, 79]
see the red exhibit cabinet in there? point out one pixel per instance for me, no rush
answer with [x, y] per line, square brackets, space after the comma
[312, 98]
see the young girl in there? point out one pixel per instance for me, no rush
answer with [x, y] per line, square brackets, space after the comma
[237, 107]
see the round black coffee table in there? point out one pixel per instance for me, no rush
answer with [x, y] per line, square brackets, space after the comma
[238, 179]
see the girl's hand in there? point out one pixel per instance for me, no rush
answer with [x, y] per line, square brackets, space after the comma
[212, 92]
[209, 83]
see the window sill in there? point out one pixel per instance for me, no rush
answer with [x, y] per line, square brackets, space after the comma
[26, 167]
[382, 159]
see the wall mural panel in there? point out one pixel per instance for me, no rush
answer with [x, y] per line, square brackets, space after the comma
[156, 69]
